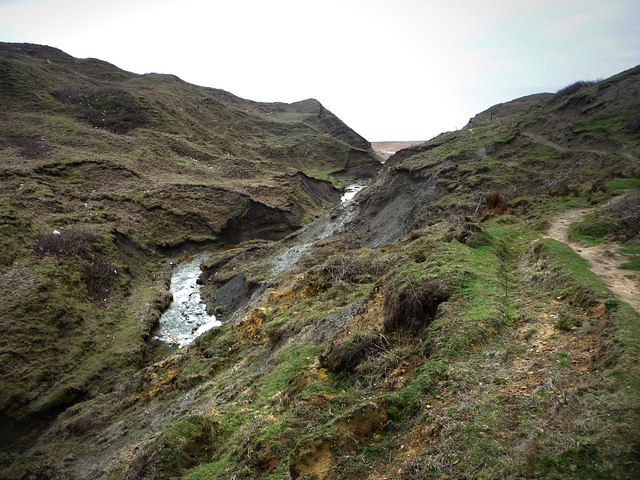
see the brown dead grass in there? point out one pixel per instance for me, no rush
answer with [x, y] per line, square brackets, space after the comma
[531, 373]
[161, 375]
[516, 377]
[369, 317]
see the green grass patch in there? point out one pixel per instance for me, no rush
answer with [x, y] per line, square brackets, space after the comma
[561, 256]
[322, 174]
[622, 185]
[630, 249]
[634, 264]
[482, 283]
[289, 361]
[207, 471]
[594, 229]
[602, 123]
[409, 401]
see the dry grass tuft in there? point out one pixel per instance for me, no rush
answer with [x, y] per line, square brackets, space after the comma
[65, 243]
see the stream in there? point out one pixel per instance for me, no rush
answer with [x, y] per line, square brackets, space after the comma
[350, 192]
[322, 228]
[187, 317]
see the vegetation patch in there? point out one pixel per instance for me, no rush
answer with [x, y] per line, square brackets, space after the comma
[113, 108]
[187, 442]
[632, 265]
[346, 355]
[618, 223]
[570, 90]
[437, 335]
[27, 147]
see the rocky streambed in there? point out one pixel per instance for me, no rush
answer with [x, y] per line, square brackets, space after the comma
[322, 228]
[186, 318]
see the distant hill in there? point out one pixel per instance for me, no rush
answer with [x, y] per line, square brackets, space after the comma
[535, 145]
[123, 133]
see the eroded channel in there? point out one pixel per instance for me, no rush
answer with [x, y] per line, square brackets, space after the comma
[187, 317]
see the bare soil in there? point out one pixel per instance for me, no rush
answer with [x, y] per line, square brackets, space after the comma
[386, 149]
[604, 259]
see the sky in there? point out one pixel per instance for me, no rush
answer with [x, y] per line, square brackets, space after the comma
[390, 69]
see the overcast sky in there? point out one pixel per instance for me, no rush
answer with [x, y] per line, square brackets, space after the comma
[391, 69]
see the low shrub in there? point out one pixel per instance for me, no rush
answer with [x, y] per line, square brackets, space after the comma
[27, 147]
[620, 222]
[632, 125]
[98, 273]
[357, 267]
[471, 234]
[183, 444]
[629, 211]
[570, 90]
[495, 203]
[346, 355]
[566, 322]
[110, 107]
[65, 243]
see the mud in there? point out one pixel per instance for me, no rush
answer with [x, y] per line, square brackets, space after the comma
[258, 221]
[233, 295]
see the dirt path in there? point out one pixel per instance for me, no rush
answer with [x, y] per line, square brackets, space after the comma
[604, 259]
[544, 141]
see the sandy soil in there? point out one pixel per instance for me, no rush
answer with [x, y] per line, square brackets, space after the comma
[386, 149]
[604, 259]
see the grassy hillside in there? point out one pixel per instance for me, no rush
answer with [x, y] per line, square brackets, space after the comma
[127, 169]
[430, 329]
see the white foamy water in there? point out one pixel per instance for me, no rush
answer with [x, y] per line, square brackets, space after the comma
[186, 318]
[350, 192]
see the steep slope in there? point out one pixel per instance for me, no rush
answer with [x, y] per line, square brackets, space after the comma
[104, 173]
[541, 144]
[427, 330]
